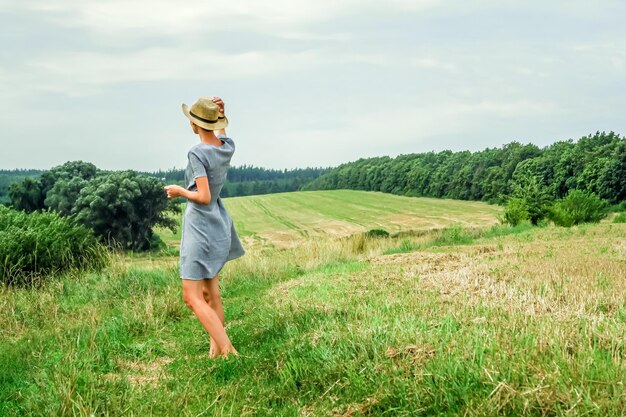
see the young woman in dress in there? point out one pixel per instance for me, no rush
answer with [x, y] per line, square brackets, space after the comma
[208, 237]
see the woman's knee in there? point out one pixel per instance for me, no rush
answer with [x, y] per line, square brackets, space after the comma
[192, 299]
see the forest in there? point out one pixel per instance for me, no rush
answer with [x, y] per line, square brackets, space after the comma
[595, 164]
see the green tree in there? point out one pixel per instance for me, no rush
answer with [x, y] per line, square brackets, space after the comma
[123, 207]
[31, 194]
[529, 194]
[62, 197]
[26, 195]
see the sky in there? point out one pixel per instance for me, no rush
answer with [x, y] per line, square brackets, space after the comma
[306, 83]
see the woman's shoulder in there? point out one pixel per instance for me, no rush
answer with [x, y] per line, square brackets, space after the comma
[227, 140]
[196, 150]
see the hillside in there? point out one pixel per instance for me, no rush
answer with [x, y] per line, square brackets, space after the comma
[512, 321]
[286, 219]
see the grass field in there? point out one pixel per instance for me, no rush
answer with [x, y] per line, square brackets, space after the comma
[286, 219]
[478, 322]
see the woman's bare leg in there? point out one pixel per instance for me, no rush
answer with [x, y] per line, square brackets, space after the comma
[212, 297]
[193, 296]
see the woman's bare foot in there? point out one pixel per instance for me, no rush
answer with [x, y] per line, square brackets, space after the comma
[212, 347]
[224, 353]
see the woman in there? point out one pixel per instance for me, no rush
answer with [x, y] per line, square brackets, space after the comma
[208, 237]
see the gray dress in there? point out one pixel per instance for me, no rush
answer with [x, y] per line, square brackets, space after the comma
[208, 237]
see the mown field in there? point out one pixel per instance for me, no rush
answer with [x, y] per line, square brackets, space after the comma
[461, 321]
[286, 219]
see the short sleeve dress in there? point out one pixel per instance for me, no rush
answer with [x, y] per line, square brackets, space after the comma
[209, 238]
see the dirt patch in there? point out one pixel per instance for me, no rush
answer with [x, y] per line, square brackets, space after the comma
[420, 262]
[362, 408]
[141, 373]
[416, 354]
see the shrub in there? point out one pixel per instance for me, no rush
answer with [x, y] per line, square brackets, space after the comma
[516, 212]
[529, 201]
[377, 233]
[38, 244]
[578, 207]
[620, 218]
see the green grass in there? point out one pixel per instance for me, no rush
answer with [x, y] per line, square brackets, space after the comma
[620, 218]
[456, 235]
[466, 321]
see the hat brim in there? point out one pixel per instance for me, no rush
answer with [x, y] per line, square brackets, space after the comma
[220, 124]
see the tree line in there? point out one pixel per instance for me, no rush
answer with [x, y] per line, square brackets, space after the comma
[250, 180]
[241, 180]
[594, 163]
[9, 176]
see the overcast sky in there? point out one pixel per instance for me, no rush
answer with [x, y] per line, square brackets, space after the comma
[306, 83]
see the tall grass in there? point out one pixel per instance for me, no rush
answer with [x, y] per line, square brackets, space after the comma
[454, 236]
[36, 245]
[620, 218]
[531, 327]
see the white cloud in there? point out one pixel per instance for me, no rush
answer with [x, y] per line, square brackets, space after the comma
[371, 130]
[311, 36]
[165, 17]
[601, 53]
[433, 63]
[443, 118]
[86, 73]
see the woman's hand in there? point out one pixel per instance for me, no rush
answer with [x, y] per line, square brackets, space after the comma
[219, 102]
[201, 196]
[174, 191]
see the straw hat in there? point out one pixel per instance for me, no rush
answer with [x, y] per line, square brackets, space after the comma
[206, 114]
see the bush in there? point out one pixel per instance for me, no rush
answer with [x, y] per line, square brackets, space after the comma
[38, 244]
[516, 212]
[377, 233]
[529, 201]
[578, 207]
[620, 218]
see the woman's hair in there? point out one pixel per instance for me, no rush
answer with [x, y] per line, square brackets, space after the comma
[201, 128]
